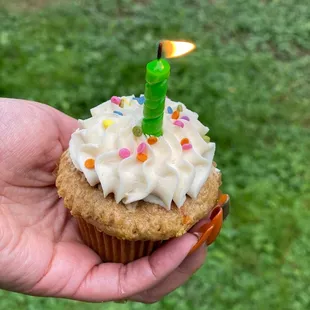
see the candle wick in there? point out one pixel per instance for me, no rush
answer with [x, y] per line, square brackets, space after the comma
[159, 50]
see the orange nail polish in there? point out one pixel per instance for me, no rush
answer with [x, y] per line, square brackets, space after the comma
[205, 231]
[216, 218]
[208, 232]
[224, 202]
[223, 199]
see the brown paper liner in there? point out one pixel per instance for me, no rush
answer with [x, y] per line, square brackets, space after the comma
[112, 249]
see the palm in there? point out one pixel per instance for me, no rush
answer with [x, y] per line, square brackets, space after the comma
[40, 249]
[32, 215]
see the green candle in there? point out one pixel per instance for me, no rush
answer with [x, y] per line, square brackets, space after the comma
[157, 73]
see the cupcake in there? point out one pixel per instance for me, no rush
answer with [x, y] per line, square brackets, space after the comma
[130, 192]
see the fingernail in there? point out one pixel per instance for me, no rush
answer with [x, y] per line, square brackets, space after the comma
[202, 234]
[208, 232]
[224, 202]
[223, 199]
[216, 218]
[226, 207]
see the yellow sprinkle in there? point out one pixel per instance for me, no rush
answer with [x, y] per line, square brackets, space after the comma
[107, 123]
[124, 101]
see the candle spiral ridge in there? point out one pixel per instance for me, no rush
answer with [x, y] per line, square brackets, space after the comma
[157, 73]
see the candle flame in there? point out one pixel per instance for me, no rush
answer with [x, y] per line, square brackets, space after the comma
[174, 49]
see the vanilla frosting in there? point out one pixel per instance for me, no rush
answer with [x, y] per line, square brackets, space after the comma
[169, 173]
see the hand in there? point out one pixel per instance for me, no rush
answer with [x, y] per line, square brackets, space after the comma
[41, 252]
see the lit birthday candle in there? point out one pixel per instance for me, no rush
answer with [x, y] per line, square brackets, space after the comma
[157, 74]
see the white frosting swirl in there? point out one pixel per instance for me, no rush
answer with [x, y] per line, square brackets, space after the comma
[169, 173]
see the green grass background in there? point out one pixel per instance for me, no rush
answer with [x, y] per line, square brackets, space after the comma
[248, 80]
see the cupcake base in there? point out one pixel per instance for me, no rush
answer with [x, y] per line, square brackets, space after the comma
[112, 249]
[145, 222]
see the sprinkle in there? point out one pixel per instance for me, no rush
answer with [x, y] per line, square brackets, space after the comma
[137, 131]
[124, 153]
[169, 110]
[179, 123]
[107, 123]
[89, 163]
[206, 138]
[185, 117]
[184, 141]
[175, 114]
[142, 157]
[118, 112]
[152, 140]
[124, 101]
[186, 219]
[180, 108]
[187, 146]
[140, 100]
[116, 100]
[141, 148]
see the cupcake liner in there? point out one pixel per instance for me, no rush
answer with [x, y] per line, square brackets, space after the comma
[112, 249]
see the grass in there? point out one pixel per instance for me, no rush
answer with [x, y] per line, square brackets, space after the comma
[248, 80]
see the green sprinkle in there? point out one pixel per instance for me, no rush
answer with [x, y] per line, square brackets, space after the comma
[206, 138]
[180, 108]
[137, 131]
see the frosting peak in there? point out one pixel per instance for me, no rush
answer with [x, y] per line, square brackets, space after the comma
[136, 167]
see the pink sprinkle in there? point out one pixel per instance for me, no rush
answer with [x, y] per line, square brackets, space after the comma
[179, 123]
[141, 148]
[124, 153]
[185, 117]
[187, 146]
[116, 100]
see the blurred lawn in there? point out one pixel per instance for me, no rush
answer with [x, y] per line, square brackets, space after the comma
[248, 80]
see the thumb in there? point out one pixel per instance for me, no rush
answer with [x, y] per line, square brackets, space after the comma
[110, 281]
[66, 125]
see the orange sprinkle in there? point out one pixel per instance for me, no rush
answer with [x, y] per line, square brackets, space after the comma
[186, 219]
[142, 157]
[184, 141]
[89, 163]
[175, 114]
[152, 140]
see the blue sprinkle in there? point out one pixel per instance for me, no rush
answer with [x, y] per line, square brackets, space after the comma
[118, 112]
[140, 99]
[169, 109]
